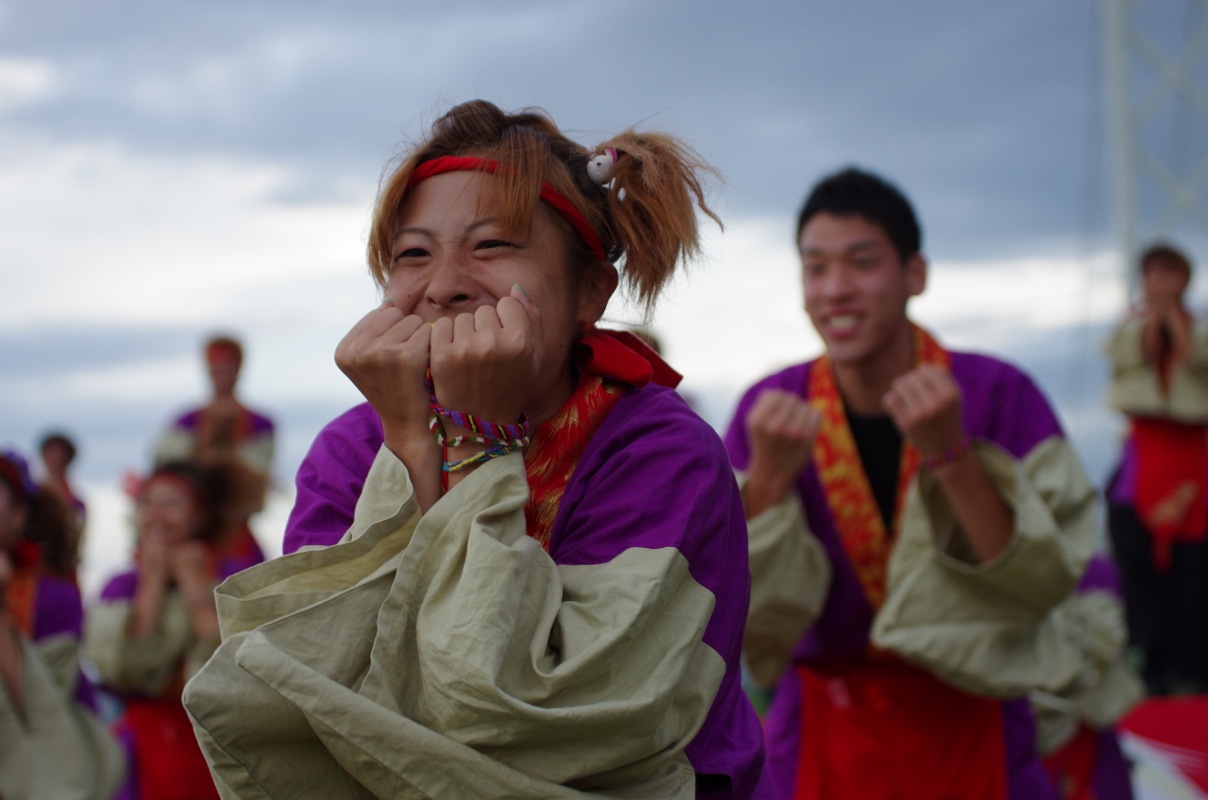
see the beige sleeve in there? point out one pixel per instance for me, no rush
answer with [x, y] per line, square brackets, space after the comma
[1106, 688]
[257, 453]
[1134, 384]
[988, 628]
[1123, 347]
[449, 656]
[61, 657]
[144, 664]
[1188, 395]
[1056, 721]
[55, 748]
[178, 444]
[1199, 350]
[1135, 389]
[790, 578]
[174, 444]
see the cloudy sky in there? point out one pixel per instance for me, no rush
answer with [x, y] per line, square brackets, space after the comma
[169, 169]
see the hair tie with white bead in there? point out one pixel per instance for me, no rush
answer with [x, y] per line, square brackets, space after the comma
[601, 167]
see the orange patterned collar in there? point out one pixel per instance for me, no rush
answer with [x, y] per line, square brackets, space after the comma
[610, 364]
[848, 493]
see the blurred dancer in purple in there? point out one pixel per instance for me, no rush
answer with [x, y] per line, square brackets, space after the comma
[227, 433]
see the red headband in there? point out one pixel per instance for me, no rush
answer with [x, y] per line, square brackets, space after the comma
[549, 194]
[216, 351]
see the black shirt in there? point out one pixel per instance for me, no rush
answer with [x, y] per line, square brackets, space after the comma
[879, 443]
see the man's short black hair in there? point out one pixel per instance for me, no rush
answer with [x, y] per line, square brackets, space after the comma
[852, 192]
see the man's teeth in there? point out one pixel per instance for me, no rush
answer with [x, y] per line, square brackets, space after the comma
[843, 321]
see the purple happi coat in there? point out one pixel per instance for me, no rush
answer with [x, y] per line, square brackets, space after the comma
[1001, 405]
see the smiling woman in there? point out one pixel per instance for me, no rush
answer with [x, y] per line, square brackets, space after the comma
[541, 590]
[155, 624]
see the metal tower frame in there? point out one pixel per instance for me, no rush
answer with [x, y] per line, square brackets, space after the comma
[1174, 193]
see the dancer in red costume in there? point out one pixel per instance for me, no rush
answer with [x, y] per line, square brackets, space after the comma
[1158, 503]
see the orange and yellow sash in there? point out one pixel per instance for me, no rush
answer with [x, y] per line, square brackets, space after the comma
[848, 494]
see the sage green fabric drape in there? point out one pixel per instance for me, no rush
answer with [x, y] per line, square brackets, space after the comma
[449, 656]
[54, 748]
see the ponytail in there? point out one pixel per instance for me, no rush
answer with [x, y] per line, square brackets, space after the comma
[654, 191]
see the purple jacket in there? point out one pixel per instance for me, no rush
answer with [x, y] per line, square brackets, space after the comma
[190, 421]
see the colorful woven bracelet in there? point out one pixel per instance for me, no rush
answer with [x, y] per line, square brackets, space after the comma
[477, 458]
[516, 435]
[946, 457]
[438, 433]
[491, 430]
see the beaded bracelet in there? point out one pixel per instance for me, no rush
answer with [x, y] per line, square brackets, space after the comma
[946, 457]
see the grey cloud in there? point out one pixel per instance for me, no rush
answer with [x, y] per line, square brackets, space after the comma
[952, 100]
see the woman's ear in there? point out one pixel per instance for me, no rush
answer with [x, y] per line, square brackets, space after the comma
[916, 274]
[596, 287]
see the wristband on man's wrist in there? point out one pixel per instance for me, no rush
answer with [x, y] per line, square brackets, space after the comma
[947, 457]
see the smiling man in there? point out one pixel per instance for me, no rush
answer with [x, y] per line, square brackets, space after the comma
[915, 515]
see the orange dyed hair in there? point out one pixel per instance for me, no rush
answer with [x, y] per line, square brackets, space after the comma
[646, 217]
